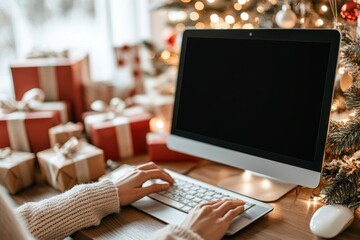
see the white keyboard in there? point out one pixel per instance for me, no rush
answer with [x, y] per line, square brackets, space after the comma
[173, 205]
[184, 195]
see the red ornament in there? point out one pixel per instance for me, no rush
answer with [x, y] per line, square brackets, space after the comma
[170, 39]
[121, 62]
[125, 48]
[349, 11]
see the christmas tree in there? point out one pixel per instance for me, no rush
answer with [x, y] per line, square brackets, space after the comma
[342, 168]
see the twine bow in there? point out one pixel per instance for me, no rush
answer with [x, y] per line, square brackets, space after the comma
[68, 148]
[5, 152]
[115, 108]
[30, 100]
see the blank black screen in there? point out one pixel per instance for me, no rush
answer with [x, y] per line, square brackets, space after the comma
[254, 96]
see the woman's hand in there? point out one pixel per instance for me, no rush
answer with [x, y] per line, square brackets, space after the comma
[211, 220]
[130, 186]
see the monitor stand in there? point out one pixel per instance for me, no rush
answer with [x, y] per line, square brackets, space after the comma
[256, 186]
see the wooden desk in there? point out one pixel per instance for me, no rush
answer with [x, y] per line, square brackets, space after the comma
[289, 219]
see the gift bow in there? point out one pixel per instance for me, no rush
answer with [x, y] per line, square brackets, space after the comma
[5, 152]
[30, 99]
[68, 148]
[116, 106]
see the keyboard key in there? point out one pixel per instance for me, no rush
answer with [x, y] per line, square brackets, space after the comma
[166, 200]
[184, 196]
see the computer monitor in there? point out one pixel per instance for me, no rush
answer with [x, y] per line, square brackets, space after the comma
[258, 100]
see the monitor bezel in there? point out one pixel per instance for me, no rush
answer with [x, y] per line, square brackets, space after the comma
[306, 176]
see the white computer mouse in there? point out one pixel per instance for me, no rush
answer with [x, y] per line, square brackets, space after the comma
[330, 220]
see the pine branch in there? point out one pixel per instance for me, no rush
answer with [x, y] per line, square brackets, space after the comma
[344, 138]
[344, 180]
[350, 58]
[352, 97]
[346, 37]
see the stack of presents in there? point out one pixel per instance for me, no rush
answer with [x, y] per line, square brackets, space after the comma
[68, 126]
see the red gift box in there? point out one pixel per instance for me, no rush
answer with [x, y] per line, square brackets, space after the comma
[158, 151]
[27, 131]
[123, 136]
[59, 78]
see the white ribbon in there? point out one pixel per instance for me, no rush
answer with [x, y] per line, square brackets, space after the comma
[30, 100]
[79, 157]
[123, 137]
[47, 78]
[17, 131]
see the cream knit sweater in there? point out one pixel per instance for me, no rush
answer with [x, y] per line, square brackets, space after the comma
[60, 216]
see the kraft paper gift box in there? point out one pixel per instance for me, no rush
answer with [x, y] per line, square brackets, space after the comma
[158, 150]
[87, 164]
[103, 90]
[27, 131]
[123, 136]
[17, 171]
[62, 133]
[59, 78]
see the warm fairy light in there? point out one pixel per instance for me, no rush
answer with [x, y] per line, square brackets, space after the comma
[210, 1]
[244, 16]
[334, 107]
[199, 25]
[319, 22]
[165, 55]
[242, 2]
[352, 115]
[248, 26]
[157, 124]
[194, 16]
[199, 6]
[237, 6]
[324, 8]
[225, 25]
[214, 18]
[260, 9]
[341, 70]
[229, 19]
[313, 200]
[180, 27]
[237, 25]
[177, 16]
[302, 20]
[273, 2]
[186, 1]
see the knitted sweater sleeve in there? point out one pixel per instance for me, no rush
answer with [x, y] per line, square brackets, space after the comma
[176, 232]
[80, 207]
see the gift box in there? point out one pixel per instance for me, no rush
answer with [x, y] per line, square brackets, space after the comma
[17, 171]
[27, 131]
[102, 111]
[59, 78]
[62, 107]
[62, 172]
[122, 136]
[62, 133]
[102, 90]
[158, 150]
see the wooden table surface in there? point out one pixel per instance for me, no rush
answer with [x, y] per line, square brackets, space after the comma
[289, 219]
